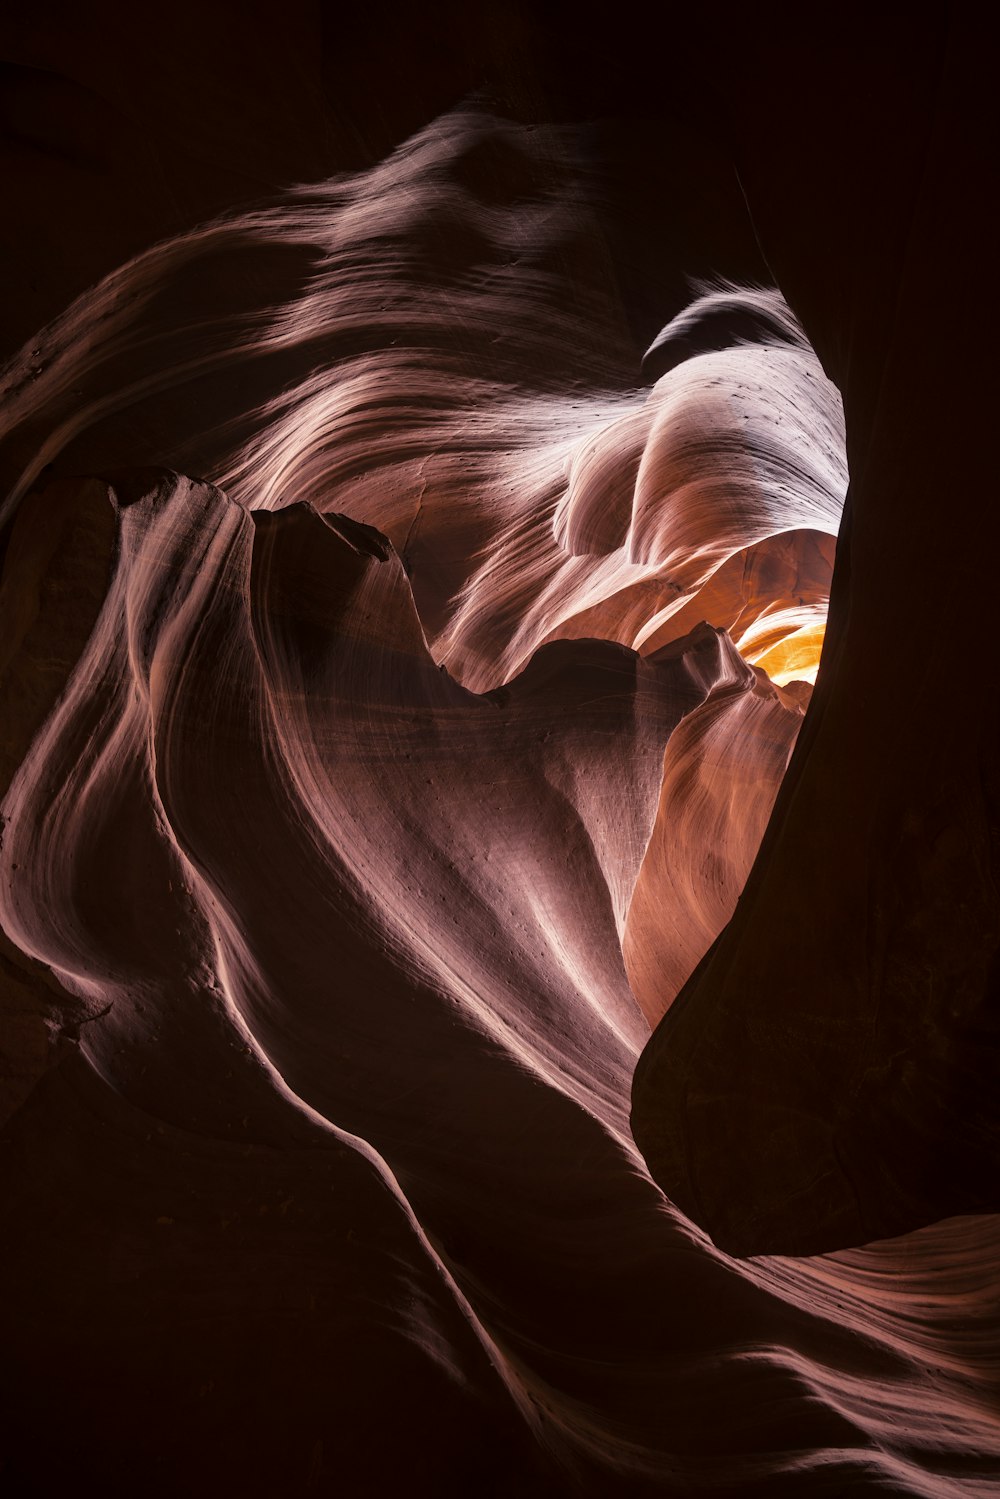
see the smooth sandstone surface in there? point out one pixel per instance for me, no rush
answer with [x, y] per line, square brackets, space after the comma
[399, 672]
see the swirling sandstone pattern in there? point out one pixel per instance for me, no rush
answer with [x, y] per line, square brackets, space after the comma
[367, 804]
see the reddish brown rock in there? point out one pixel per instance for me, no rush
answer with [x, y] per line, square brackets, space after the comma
[332, 1188]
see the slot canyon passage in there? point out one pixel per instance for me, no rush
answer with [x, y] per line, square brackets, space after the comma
[482, 1014]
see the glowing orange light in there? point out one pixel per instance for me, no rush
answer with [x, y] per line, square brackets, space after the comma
[794, 658]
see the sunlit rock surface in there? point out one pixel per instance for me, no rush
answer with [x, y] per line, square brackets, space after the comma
[366, 802]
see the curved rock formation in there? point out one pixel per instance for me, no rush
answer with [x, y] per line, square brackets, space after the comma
[368, 802]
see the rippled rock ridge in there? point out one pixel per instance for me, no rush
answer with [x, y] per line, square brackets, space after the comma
[396, 694]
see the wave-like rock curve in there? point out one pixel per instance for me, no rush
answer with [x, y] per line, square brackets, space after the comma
[366, 807]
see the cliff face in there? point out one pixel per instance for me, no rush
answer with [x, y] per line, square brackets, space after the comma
[405, 650]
